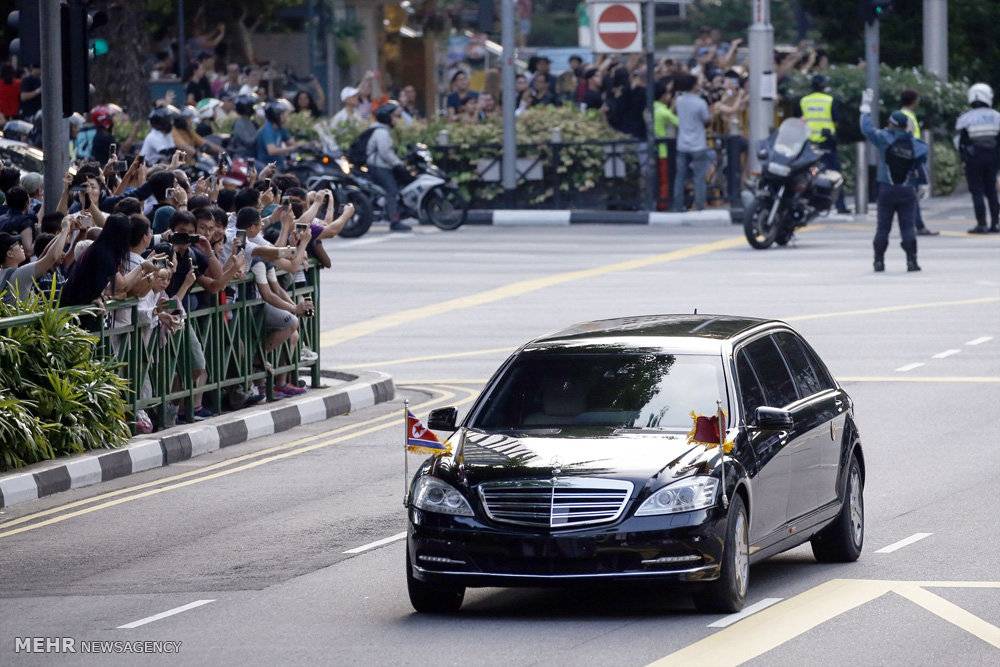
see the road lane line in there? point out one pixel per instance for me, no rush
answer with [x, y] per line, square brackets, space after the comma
[980, 340]
[367, 327]
[393, 423]
[947, 353]
[909, 367]
[376, 544]
[905, 542]
[442, 396]
[952, 613]
[968, 379]
[164, 614]
[893, 309]
[432, 357]
[726, 621]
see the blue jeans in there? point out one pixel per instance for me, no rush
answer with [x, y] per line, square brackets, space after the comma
[698, 162]
[901, 201]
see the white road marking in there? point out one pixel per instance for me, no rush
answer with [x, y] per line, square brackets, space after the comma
[376, 544]
[980, 340]
[946, 353]
[909, 367]
[726, 621]
[164, 614]
[905, 542]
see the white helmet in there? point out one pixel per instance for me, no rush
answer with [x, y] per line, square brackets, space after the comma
[981, 92]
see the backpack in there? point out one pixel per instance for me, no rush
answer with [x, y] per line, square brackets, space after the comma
[357, 153]
[901, 158]
[6, 293]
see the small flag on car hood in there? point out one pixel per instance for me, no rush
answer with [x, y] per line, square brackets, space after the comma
[421, 441]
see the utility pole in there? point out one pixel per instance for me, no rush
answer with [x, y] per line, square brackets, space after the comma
[181, 41]
[872, 79]
[936, 38]
[54, 136]
[651, 152]
[509, 165]
[761, 44]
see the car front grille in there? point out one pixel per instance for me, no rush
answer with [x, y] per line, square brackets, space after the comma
[555, 503]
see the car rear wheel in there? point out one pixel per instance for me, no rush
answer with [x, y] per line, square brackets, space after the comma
[842, 540]
[728, 593]
[429, 598]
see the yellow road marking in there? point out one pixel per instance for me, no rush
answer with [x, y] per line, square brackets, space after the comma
[948, 379]
[780, 623]
[360, 329]
[432, 357]
[376, 425]
[892, 309]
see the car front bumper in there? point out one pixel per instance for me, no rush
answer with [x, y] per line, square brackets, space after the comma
[465, 551]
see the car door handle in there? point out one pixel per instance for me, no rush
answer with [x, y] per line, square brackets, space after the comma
[840, 405]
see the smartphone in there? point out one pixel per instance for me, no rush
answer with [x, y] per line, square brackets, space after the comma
[252, 162]
[267, 183]
[171, 193]
[113, 150]
[160, 263]
[169, 306]
[213, 181]
[241, 239]
[180, 238]
[301, 226]
[121, 166]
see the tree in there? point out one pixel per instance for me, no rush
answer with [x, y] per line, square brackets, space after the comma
[121, 76]
[973, 35]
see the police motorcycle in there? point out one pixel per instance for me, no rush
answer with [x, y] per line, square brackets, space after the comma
[793, 189]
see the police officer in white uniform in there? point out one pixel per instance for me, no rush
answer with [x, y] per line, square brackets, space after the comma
[978, 142]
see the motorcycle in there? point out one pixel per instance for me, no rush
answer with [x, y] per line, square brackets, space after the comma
[426, 192]
[792, 190]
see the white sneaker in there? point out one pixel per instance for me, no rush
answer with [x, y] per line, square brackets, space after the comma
[307, 356]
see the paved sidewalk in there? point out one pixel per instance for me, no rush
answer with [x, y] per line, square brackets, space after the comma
[347, 393]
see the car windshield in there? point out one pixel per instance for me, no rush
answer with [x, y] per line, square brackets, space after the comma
[554, 392]
[792, 136]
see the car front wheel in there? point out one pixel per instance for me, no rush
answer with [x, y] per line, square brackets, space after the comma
[728, 593]
[432, 599]
[842, 540]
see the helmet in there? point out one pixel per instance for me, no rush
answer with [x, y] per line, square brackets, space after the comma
[245, 104]
[161, 118]
[981, 92]
[206, 108]
[819, 82]
[189, 113]
[102, 116]
[236, 175]
[77, 120]
[384, 113]
[273, 110]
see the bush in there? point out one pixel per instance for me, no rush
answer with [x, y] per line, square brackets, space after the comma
[947, 168]
[56, 396]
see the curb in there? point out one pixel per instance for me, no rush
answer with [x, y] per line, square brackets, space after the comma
[370, 388]
[556, 218]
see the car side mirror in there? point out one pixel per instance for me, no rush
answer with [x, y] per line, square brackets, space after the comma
[442, 419]
[771, 419]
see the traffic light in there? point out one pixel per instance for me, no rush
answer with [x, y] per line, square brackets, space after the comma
[875, 10]
[77, 49]
[23, 24]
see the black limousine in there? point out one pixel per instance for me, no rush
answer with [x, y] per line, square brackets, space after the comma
[585, 459]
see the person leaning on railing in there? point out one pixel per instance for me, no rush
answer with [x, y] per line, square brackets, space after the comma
[18, 278]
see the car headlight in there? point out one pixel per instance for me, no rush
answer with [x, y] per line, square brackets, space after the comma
[433, 495]
[692, 493]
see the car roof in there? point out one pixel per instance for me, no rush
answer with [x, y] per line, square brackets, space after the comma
[695, 334]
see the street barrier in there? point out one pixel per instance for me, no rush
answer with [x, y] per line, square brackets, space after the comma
[231, 332]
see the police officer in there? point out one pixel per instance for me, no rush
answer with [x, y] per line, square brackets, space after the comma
[901, 158]
[908, 103]
[820, 114]
[978, 142]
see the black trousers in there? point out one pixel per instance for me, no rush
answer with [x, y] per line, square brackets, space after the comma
[981, 174]
[385, 178]
[899, 201]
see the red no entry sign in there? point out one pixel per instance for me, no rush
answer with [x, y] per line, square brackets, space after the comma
[617, 27]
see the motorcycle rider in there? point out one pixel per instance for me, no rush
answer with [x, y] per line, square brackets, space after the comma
[382, 160]
[907, 104]
[273, 141]
[159, 137]
[94, 142]
[978, 142]
[243, 138]
[901, 159]
[185, 136]
[819, 111]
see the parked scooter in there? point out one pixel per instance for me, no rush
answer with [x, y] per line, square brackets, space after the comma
[792, 190]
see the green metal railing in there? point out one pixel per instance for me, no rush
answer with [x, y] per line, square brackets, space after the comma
[232, 334]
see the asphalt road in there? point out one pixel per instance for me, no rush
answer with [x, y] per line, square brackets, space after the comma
[249, 543]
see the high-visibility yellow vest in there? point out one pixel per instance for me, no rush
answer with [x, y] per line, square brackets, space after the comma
[913, 122]
[817, 112]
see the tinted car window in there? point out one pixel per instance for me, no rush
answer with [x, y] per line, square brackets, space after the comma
[779, 389]
[601, 392]
[802, 369]
[750, 392]
[823, 375]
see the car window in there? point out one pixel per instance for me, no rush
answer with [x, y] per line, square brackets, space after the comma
[802, 369]
[751, 394]
[779, 388]
[822, 374]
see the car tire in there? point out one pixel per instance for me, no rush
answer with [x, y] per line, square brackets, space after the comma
[842, 540]
[430, 598]
[728, 593]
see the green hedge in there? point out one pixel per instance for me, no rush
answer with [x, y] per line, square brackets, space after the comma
[56, 397]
